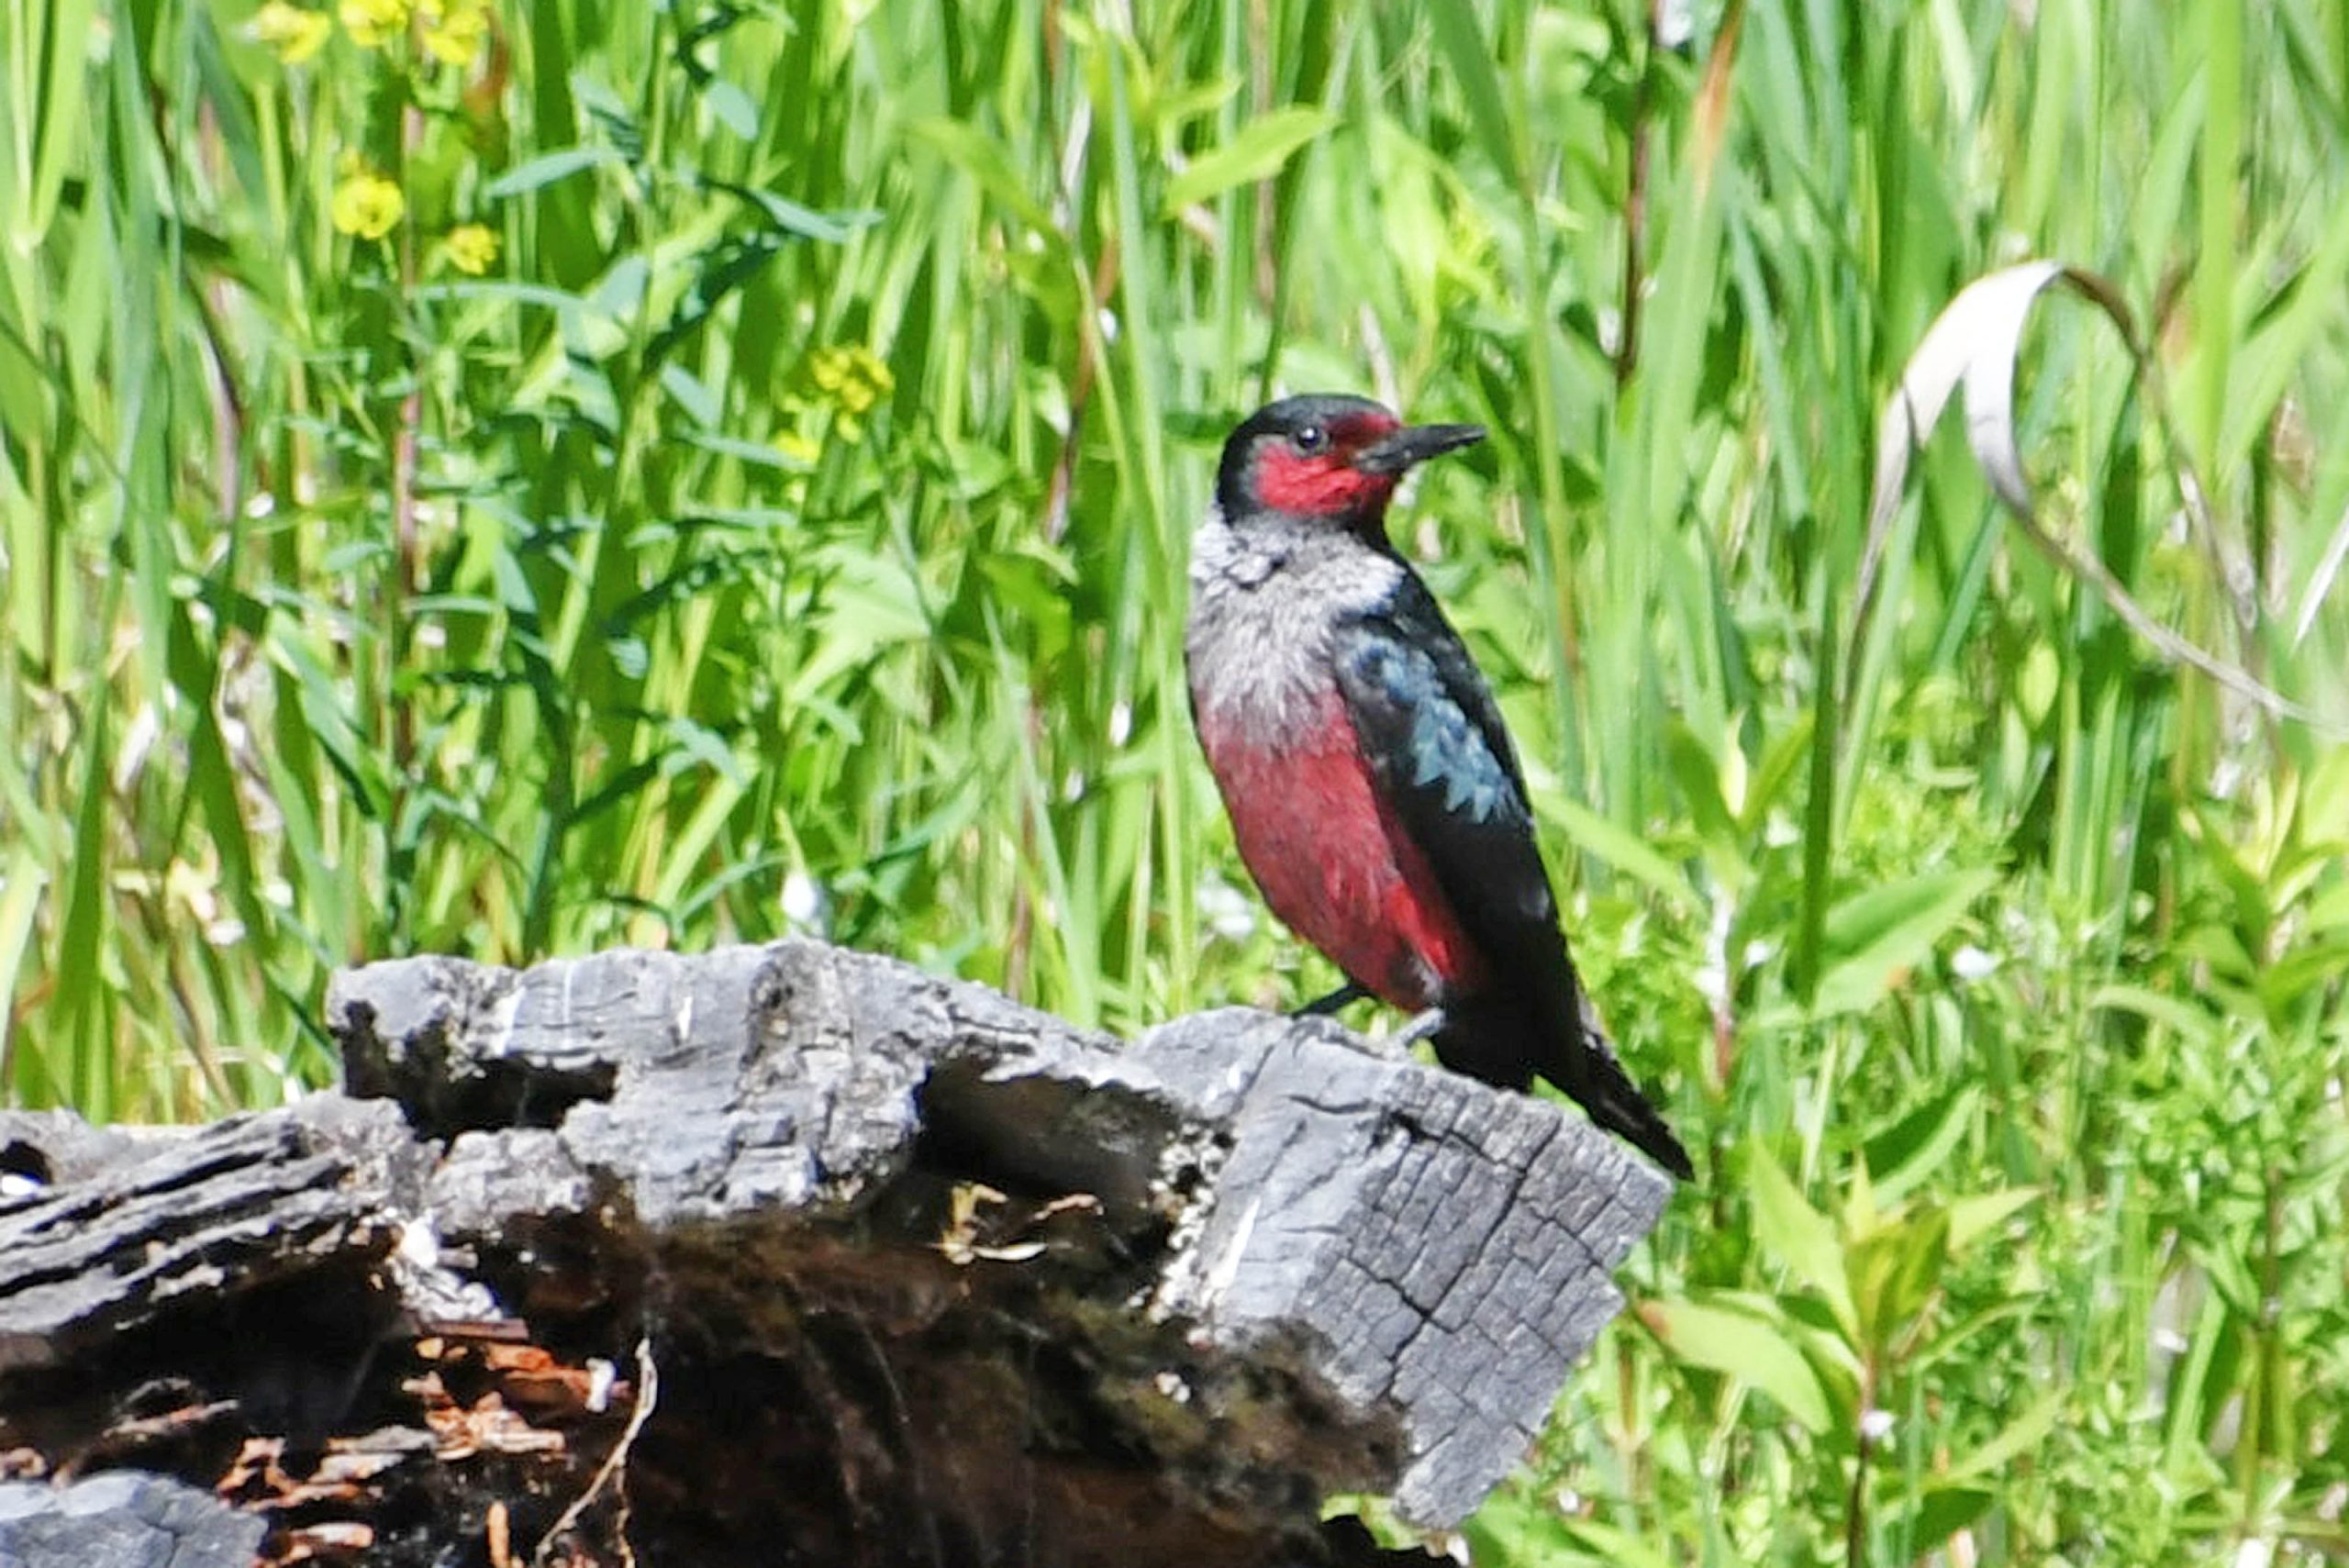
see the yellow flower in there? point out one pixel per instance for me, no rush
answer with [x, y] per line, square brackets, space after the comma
[372, 24]
[454, 31]
[472, 248]
[367, 205]
[797, 448]
[852, 378]
[871, 369]
[294, 34]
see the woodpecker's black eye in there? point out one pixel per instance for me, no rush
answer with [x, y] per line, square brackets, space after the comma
[1310, 438]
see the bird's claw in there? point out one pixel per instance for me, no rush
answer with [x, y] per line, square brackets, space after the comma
[1345, 995]
[1418, 1029]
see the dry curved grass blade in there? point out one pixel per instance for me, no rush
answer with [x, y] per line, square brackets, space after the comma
[2336, 551]
[1974, 342]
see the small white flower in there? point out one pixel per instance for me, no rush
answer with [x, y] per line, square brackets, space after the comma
[1971, 963]
[1226, 911]
[1876, 1424]
[803, 900]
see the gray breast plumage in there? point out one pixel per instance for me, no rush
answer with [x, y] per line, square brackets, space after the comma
[1266, 601]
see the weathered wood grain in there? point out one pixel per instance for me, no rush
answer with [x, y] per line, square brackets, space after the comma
[925, 1275]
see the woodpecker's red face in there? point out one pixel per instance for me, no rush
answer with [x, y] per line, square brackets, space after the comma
[1327, 457]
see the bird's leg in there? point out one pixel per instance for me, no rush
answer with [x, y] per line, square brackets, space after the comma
[1345, 995]
[1420, 1028]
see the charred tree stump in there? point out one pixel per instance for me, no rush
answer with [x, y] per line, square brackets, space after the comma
[792, 1254]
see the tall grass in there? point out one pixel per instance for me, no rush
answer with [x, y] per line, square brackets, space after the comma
[786, 531]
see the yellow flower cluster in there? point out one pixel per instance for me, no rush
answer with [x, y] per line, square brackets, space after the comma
[453, 31]
[472, 248]
[294, 34]
[850, 377]
[847, 381]
[372, 24]
[366, 203]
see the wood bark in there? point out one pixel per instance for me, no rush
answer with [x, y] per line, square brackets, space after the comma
[790, 1253]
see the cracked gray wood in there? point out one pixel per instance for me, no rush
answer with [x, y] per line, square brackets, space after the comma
[822, 1182]
[123, 1520]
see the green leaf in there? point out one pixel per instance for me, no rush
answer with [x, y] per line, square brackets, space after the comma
[1256, 151]
[1970, 1216]
[1894, 1268]
[982, 158]
[732, 108]
[1712, 783]
[1744, 1347]
[1919, 1144]
[2019, 1437]
[1516, 1524]
[1471, 58]
[2313, 966]
[1781, 763]
[504, 292]
[1626, 851]
[57, 120]
[1872, 936]
[2191, 1023]
[1942, 1511]
[1799, 1236]
[546, 169]
[1610, 1544]
[719, 272]
[786, 216]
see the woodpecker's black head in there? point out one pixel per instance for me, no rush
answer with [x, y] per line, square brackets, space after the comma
[1326, 456]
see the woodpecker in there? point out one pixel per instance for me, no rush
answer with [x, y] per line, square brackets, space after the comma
[1374, 791]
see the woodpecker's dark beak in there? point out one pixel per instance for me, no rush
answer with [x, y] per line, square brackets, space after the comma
[1413, 445]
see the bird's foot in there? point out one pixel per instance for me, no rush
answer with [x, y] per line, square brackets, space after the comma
[1418, 1029]
[1345, 995]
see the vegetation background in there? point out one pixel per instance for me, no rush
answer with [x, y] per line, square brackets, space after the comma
[514, 476]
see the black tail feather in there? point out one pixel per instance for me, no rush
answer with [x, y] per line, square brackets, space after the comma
[1503, 1047]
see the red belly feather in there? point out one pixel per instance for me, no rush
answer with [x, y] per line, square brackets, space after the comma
[1335, 863]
